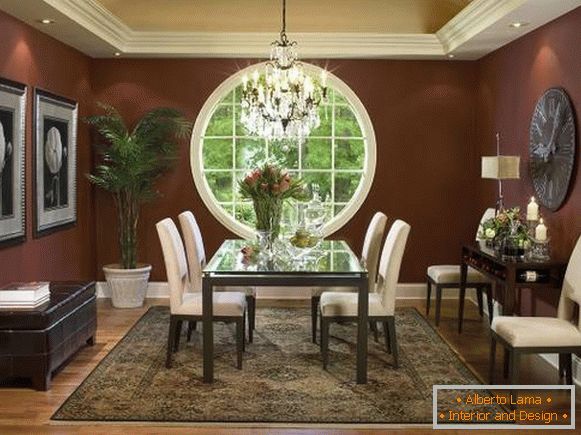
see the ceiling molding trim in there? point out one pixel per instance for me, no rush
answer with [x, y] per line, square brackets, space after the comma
[96, 19]
[473, 20]
[346, 45]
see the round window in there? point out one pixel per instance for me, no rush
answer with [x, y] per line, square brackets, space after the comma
[338, 158]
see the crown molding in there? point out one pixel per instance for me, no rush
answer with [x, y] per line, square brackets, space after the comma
[96, 19]
[480, 28]
[327, 45]
[478, 16]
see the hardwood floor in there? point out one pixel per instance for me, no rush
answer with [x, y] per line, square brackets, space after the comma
[23, 410]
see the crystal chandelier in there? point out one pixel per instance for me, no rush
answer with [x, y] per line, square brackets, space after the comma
[282, 103]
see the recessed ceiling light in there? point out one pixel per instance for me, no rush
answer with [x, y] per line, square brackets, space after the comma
[518, 24]
[451, 56]
[46, 21]
[117, 54]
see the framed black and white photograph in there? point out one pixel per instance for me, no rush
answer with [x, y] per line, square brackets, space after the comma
[55, 171]
[12, 154]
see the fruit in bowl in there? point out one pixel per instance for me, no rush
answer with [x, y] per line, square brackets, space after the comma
[304, 239]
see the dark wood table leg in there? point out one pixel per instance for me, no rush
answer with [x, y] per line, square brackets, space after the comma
[363, 312]
[463, 276]
[207, 314]
[509, 292]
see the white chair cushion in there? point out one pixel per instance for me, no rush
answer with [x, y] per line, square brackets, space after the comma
[230, 304]
[318, 291]
[536, 331]
[450, 274]
[248, 291]
[342, 304]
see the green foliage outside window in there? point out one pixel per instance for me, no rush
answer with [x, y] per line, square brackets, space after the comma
[332, 157]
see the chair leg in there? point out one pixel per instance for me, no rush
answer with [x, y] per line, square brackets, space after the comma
[513, 367]
[170, 340]
[393, 340]
[506, 363]
[492, 360]
[191, 329]
[314, 311]
[438, 303]
[239, 341]
[480, 301]
[386, 332]
[178, 332]
[244, 332]
[325, 341]
[428, 298]
[490, 303]
[373, 327]
[569, 368]
[251, 304]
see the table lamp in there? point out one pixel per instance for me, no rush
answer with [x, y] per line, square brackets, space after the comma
[500, 168]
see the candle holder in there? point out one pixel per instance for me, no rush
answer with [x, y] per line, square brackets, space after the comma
[540, 250]
[531, 226]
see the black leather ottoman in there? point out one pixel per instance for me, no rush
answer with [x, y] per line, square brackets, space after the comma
[33, 343]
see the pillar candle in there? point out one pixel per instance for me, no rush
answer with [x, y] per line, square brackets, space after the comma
[533, 210]
[541, 231]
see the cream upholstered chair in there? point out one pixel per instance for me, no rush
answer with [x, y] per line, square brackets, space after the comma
[196, 255]
[448, 277]
[561, 334]
[186, 305]
[337, 306]
[369, 257]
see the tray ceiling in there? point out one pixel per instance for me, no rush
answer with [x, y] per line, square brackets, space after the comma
[402, 29]
[376, 16]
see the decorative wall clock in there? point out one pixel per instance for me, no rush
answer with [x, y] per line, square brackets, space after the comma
[552, 147]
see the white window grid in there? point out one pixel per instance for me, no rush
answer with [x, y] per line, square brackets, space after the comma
[237, 203]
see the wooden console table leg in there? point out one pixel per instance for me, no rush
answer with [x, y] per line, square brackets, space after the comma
[463, 275]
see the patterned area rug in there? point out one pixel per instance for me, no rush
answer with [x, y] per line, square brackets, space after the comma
[282, 380]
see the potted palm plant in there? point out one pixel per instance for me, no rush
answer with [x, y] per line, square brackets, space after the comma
[130, 163]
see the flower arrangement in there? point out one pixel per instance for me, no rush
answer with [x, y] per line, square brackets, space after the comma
[507, 224]
[268, 186]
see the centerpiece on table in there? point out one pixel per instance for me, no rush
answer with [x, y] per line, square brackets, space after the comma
[507, 233]
[269, 186]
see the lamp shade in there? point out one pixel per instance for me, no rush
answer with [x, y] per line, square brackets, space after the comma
[501, 167]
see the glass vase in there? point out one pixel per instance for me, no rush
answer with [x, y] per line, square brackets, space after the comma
[268, 215]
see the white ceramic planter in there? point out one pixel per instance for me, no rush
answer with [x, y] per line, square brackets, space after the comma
[128, 286]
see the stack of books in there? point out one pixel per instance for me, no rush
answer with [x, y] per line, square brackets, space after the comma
[24, 294]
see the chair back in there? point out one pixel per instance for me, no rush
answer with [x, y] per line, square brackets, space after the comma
[488, 214]
[372, 246]
[175, 261]
[194, 248]
[390, 263]
[571, 291]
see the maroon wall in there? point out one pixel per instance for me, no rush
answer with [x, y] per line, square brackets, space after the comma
[423, 114]
[433, 120]
[32, 58]
[511, 80]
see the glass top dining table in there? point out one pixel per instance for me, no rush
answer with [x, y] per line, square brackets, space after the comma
[329, 257]
[330, 264]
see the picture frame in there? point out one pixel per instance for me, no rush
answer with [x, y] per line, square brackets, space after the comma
[13, 97]
[55, 162]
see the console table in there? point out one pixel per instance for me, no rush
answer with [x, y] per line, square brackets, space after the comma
[506, 273]
[35, 342]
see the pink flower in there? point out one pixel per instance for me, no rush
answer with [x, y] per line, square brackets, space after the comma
[284, 185]
[250, 180]
[264, 186]
[276, 188]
